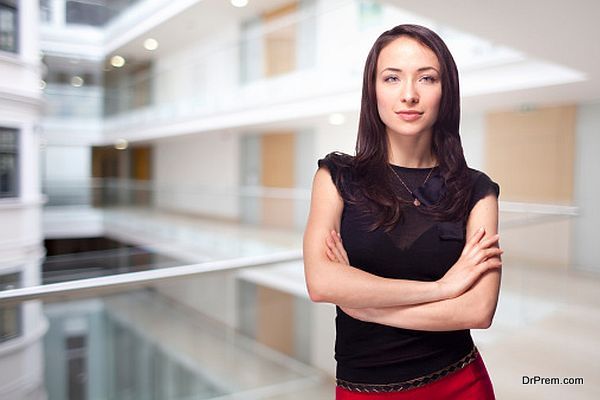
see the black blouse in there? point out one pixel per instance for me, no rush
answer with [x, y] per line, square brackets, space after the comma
[419, 248]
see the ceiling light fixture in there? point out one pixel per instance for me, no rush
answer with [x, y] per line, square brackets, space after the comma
[151, 44]
[117, 61]
[121, 144]
[239, 3]
[337, 119]
[77, 81]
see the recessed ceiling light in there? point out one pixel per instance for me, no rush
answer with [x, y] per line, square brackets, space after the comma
[239, 3]
[77, 81]
[151, 44]
[121, 144]
[117, 61]
[337, 119]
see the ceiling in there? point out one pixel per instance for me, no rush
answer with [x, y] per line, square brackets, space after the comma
[565, 33]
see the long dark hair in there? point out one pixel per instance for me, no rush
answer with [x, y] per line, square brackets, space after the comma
[370, 165]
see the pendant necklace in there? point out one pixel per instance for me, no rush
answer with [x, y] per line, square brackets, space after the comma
[416, 201]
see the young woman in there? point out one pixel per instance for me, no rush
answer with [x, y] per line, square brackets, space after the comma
[402, 237]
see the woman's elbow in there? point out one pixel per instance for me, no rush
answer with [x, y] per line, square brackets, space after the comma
[484, 318]
[314, 287]
[317, 294]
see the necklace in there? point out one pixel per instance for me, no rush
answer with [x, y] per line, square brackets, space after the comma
[416, 201]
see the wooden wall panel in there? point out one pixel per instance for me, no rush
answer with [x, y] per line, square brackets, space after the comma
[275, 319]
[280, 44]
[278, 154]
[530, 154]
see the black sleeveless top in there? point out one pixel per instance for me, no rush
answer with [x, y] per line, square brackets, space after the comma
[419, 248]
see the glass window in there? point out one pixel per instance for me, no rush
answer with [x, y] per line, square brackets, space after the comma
[45, 11]
[95, 12]
[10, 316]
[9, 27]
[370, 13]
[87, 13]
[8, 162]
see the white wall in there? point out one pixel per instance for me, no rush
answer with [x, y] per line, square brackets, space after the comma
[198, 174]
[68, 163]
[584, 240]
[203, 73]
[21, 247]
[472, 133]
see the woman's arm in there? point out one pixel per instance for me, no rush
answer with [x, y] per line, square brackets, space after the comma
[346, 286]
[473, 309]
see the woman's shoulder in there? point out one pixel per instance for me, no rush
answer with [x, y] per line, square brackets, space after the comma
[336, 159]
[340, 166]
[337, 163]
[482, 186]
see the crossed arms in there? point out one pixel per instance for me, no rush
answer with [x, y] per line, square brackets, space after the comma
[465, 298]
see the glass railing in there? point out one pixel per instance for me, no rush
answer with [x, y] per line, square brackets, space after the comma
[208, 333]
[238, 328]
[67, 102]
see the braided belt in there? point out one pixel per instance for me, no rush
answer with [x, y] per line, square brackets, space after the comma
[412, 383]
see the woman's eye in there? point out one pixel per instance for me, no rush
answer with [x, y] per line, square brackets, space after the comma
[390, 79]
[429, 79]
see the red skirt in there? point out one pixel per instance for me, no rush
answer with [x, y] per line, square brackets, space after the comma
[469, 383]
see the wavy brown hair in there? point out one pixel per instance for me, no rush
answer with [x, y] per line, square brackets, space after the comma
[371, 170]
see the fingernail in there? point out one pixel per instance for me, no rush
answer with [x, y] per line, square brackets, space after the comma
[481, 228]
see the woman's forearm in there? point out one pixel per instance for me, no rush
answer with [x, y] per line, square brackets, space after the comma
[474, 309]
[347, 286]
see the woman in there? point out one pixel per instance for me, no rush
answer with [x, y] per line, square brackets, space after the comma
[420, 264]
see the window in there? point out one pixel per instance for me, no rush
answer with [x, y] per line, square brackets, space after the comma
[46, 10]
[9, 26]
[10, 316]
[8, 162]
[370, 13]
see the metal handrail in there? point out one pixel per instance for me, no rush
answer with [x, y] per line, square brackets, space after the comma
[95, 286]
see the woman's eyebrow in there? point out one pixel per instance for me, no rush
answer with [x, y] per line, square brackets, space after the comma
[393, 69]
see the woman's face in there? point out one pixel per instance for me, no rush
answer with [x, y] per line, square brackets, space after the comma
[408, 87]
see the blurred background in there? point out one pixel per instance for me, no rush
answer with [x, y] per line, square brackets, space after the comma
[156, 158]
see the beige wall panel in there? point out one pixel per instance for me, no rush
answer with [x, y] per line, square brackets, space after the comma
[280, 44]
[278, 160]
[530, 154]
[278, 153]
[275, 319]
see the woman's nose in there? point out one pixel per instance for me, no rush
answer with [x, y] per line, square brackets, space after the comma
[409, 94]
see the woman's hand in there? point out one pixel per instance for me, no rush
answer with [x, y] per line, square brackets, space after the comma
[478, 256]
[335, 249]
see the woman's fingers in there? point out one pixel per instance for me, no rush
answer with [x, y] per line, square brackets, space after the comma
[333, 246]
[338, 243]
[489, 264]
[331, 256]
[490, 241]
[487, 253]
[473, 240]
[482, 245]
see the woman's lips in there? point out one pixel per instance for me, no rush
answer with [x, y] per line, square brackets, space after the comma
[409, 115]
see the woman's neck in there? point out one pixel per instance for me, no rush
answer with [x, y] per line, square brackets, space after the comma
[411, 152]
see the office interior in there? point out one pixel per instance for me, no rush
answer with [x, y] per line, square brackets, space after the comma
[156, 161]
